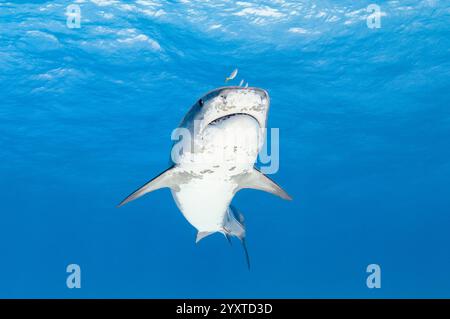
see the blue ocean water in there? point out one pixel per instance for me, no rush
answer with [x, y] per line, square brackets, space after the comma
[86, 116]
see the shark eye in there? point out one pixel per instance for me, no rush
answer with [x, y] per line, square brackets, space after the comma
[200, 102]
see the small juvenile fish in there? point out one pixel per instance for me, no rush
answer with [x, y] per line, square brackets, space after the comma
[232, 75]
[241, 83]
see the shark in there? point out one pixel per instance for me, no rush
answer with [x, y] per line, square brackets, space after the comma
[213, 157]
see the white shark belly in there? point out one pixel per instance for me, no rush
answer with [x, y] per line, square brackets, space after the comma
[204, 202]
[225, 149]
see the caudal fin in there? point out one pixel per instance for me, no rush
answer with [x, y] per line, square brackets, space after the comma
[234, 226]
[247, 257]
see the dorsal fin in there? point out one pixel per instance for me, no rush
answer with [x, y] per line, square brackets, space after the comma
[257, 180]
[165, 179]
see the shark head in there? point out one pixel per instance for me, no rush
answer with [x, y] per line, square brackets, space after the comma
[228, 101]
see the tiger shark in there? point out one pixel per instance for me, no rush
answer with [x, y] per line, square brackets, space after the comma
[218, 143]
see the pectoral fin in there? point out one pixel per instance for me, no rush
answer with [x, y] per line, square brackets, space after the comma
[257, 180]
[165, 179]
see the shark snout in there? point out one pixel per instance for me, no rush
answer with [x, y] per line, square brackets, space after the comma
[228, 91]
[242, 99]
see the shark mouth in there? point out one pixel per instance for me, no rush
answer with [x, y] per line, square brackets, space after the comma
[226, 117]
